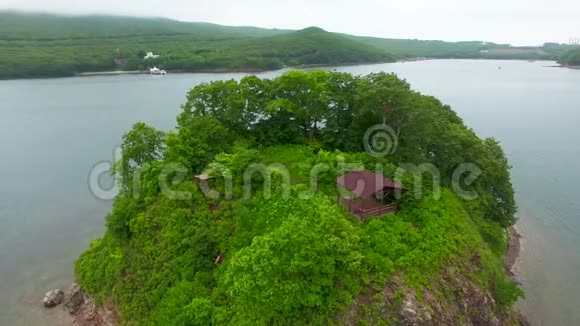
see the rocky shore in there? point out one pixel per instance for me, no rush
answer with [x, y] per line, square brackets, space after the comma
[513, 250]
[510, 259]
[77, 308]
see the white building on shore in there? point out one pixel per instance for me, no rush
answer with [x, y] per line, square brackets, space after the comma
[151, 55]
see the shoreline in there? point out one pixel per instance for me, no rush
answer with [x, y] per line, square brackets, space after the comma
[89, 314]
[247, 70]
[513, 249]
[250, 70]
[109, 73]
[510, 259]
[309, 66]
[79, 309]
[574, 67]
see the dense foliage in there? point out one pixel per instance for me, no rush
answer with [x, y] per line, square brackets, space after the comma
[464, 50]
[35, 45]
[571, 57]
[174, 256]
[40, 46]
[336, 110]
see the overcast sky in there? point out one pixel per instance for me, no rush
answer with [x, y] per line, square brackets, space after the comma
[520, 22]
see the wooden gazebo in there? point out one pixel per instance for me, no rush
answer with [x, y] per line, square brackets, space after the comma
[368, 191]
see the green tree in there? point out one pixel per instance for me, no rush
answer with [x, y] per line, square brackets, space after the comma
[143, 144]
[197, 141]
[301, 269]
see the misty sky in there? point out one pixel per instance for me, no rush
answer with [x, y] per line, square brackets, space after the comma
[520, 22]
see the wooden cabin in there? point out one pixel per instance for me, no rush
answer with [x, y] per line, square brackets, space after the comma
[371, 194]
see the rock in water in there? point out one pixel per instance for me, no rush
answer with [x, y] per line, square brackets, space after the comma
[53, 298]
[74, 299]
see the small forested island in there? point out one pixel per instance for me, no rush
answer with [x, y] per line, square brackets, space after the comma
[43, 45]
[571, 58]
[185, 246]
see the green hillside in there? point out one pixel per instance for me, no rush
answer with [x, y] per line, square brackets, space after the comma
[316, 46]
[43, 45]
[47, 46]
[43, 27]
[427, 49]
[463, 50]
[176, 253]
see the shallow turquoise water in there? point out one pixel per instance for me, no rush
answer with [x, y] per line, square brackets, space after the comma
[54, 131]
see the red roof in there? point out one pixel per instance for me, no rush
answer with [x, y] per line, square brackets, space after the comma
[364, 183]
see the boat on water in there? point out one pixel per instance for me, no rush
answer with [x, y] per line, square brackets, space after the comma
[157, 71]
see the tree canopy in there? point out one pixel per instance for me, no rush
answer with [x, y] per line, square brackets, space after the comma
[571, 57]
[336, 109]
[51, 46]
[297, 256]
[43, 45]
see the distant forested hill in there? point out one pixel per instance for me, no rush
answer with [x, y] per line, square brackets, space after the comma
[43, 27]
[43, 45]
[316, 46]
[463, 50]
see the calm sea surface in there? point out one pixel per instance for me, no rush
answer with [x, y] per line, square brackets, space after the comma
[52, 132]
